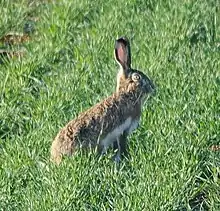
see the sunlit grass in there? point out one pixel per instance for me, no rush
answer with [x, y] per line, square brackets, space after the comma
[69, 66]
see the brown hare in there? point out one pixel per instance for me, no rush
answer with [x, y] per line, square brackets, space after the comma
[113, 119]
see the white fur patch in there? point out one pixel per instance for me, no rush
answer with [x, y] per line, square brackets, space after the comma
[134, 125]
[112, 136]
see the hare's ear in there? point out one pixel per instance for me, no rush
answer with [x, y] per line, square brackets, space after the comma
[123, 53]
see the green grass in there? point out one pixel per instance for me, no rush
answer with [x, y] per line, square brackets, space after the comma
[69, 66]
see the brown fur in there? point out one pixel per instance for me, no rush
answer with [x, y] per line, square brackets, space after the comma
[96, 123]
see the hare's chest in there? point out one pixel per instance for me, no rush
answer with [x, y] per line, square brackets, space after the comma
[116, 132]
[129, 125]
[134, 125]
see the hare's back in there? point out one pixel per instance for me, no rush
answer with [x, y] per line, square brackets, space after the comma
[103, 123]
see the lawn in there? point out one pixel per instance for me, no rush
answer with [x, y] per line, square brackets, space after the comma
[64, 64]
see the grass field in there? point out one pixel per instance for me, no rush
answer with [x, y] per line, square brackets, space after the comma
[68, 65]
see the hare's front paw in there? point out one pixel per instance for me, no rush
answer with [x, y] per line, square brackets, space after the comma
[116, 158]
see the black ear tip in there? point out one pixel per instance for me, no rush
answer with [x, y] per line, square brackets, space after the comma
[123, 40]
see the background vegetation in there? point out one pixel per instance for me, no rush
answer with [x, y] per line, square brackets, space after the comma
[63, 63]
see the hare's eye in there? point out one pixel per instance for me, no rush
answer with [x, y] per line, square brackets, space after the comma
[136, 77]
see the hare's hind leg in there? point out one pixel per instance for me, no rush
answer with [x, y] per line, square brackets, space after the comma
[61, 147]
[55, 154]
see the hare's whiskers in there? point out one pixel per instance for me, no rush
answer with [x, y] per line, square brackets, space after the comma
[138, 98]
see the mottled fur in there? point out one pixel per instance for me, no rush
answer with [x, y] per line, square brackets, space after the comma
[91, 127]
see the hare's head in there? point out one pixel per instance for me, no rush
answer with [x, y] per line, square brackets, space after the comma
[128, 79]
